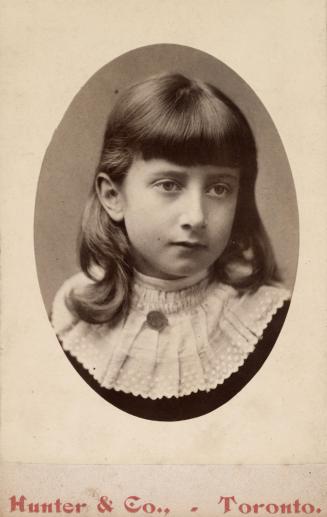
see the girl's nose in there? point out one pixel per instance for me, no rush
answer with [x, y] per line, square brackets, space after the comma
[192, 215]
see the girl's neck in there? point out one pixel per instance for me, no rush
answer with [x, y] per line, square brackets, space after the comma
[170, 285]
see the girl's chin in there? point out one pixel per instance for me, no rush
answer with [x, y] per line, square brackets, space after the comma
[175, 270]
[175, 274]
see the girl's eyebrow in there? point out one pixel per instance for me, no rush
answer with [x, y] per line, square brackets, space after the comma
[231, 174]
[169, 172]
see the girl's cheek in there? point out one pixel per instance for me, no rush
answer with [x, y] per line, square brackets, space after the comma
[224, 216]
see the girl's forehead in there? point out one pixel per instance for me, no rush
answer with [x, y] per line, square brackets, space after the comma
[159, 166]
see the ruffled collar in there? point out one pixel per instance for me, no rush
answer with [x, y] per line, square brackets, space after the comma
[177, 339]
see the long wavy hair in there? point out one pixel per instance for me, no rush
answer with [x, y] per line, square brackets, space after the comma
[188, 122]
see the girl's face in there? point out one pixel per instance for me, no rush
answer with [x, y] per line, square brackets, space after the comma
[178, 219]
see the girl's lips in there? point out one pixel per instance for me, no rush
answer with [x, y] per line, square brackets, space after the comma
[189, 244]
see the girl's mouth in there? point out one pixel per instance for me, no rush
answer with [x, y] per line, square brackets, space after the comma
[190, 244]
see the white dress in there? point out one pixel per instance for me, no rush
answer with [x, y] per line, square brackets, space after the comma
[180, 337]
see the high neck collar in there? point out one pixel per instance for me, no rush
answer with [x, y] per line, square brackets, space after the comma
[168, 296]
[161, 284]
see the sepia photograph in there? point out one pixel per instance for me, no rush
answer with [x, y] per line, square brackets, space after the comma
[163, 258]
[166, 233]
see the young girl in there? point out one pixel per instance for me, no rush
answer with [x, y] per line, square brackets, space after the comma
[177, 305]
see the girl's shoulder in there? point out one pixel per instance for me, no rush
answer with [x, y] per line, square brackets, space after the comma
[267, 298]
[261, 306]
[61, 316]
[245, 316]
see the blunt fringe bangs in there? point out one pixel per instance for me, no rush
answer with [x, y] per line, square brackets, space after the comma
[188, 122]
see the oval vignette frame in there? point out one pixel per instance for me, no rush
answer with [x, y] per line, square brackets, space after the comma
[72, 156]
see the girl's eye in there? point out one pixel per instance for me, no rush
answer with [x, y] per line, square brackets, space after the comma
[219, 190]
[167, 186]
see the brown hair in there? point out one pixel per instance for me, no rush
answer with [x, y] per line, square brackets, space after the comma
[188, 122]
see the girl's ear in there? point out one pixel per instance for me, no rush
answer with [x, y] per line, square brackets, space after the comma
[110, 197]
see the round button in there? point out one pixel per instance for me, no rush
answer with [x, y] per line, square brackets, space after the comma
[156, 320]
